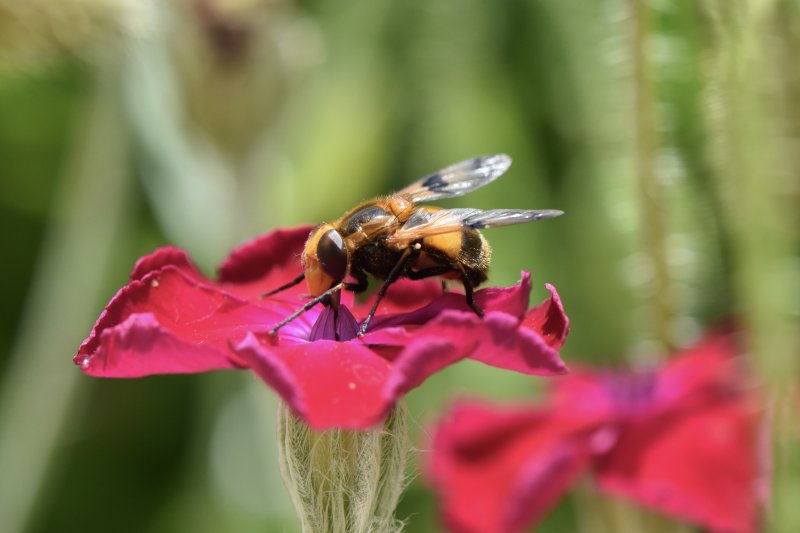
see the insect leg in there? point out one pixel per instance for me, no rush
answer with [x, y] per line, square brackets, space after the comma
[469, 293]
[285, 286]
[429, 272]
[361, 278]
[397, 269]
[306, 307]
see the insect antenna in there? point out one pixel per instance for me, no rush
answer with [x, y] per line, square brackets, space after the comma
[285, 286]
[306, 307]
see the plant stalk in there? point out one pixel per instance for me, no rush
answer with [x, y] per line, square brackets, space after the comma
[652, 198]
[344, 481]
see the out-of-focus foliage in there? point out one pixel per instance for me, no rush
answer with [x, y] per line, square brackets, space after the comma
[40, 31]
[128, 125]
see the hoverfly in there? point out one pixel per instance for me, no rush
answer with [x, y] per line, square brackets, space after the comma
[391, 237]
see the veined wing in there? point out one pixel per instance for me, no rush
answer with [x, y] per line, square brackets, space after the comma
[458, 179]
[424, 223]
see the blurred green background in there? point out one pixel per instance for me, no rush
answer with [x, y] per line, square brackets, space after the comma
[667, 130]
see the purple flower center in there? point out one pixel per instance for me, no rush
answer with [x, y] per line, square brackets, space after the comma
[334, 325]
[632, 391]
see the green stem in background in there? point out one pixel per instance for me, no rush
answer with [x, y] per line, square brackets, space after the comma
[755, 180]
[41, 386]
[618, 514]
[599, 513]
[652, 198]
[344, 481]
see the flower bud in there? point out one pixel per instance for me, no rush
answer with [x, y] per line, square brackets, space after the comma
[344, 481]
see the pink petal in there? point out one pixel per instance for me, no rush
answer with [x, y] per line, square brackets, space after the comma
[549, 320]
[139, 346]
[696, 453]
[543, 480]
[511, 300]
[166, 256]
[255, 258]
[703, 466]
[265, 263]
[330, 384]
[496, 340]
[416, 302]
[167, 322]
[423, 356]
[403, 296]
[583, 393]
[498, 470]
[708, 367]
[505, 345]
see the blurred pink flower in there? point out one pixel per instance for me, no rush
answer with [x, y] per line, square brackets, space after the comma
[685, 440]
[170, 318]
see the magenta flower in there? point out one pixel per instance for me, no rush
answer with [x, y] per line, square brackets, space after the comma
[170, 319]
[685, 440]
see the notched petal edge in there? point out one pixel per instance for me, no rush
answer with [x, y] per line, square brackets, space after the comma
[549, 320]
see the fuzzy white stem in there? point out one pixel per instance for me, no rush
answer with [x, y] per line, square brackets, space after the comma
[344, 481]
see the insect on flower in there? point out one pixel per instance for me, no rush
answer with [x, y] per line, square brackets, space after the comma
[391, 237]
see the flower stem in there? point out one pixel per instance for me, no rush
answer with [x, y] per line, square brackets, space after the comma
[652, 199]
[344, 481]
[38, 385]
[755, 157]
[621, 515]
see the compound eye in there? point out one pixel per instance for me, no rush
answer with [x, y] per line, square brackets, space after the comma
[332, 254]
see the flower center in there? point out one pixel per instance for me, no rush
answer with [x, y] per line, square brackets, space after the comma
[334, 325]
[631, 391]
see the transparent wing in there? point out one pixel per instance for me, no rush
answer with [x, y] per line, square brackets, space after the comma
[425, 223]
[458, 179]
[505, 217]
